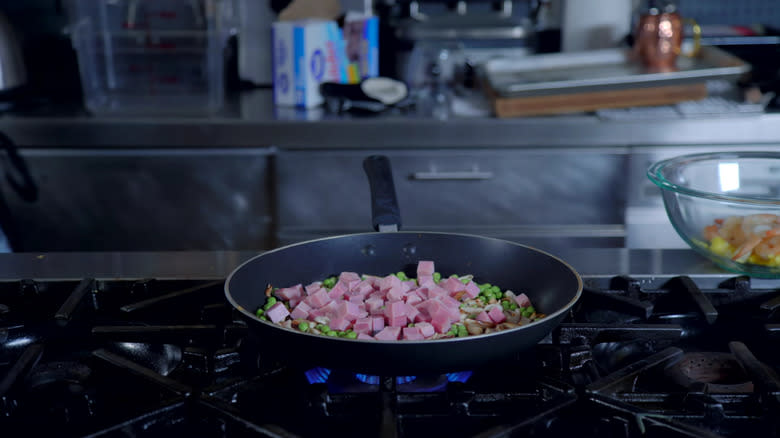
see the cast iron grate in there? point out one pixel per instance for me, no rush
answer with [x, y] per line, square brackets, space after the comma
[636, 357]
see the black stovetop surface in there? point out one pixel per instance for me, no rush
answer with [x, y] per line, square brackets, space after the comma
[635, 357]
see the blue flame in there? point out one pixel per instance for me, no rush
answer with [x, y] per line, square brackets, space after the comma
[321, 375]
[369, 380]
[317, 375]
[374, 380]
[461, 376]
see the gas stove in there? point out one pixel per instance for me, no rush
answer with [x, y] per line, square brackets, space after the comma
[636, 357]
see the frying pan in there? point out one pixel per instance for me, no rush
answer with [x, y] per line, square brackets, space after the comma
[552, 285]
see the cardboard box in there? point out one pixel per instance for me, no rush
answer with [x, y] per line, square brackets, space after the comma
[306, 53]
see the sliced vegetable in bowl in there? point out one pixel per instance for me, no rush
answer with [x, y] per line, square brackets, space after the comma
[395, 307]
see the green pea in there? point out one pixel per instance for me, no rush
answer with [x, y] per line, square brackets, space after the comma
[454, 276]
[323, 328]
[264, 318]
[531, 309]
[482, 298]
[260, 311]
[329, 282]
[331, 334]
[270, 302]
[486, 285]
[436, 277]
[512, 306]
[303, 326]
[505, 304]
[452, 331]
[462, 332]
[465, 281]
[401, 276]
[351, 335]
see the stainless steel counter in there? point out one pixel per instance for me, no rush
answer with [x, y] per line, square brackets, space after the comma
[209, 265]
[251, 120]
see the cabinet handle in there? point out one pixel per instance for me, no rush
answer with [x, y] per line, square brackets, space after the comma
[464, 175]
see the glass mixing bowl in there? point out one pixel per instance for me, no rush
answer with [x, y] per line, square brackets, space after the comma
[726, 206]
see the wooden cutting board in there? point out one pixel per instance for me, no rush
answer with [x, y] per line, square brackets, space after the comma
[591, 101]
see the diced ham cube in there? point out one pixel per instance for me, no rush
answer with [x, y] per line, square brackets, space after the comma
[331, 309]
[395, 309]
[472, 290]
[287, 293]
[452, 285]
[347, 310]
[374, 305]
[424, 268]
[441, 322]
[313, 287]
[318, 299]
[426, 280]
[522, 300]
[338, 291]
[411, 312]
[410, 284]
[348, 276]
[397, 321]
[362, 314]
[364, 336]
[412, 334]
[365, 287]
[301, 311]
[413, 299]
[377, 294]
[294, 301]
[426, 329]
[396, 293]
[483, 316]
[377, 323]
[387, 283]
[422, 317]
[340, 324]
[314, 313]
[497, 315]
[388, 334]
[373, 280]
[358, 300]
[431, 307]
[277, 312]
[436, 292]
[363, 325]
[450, 302]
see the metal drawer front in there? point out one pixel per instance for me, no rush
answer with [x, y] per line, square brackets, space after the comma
[328, 191]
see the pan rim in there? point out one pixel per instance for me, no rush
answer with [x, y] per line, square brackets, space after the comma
[553, 315]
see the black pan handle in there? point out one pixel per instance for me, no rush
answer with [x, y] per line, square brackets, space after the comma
[385, 214]
[23, 183]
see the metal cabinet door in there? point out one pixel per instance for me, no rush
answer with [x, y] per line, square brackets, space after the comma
[145, 200]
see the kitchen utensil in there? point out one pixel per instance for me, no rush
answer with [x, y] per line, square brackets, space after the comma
[700, 193]
[552, 285]
[659, 37]
[12, 69]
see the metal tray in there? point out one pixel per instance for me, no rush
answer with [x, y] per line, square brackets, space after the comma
[600, 70]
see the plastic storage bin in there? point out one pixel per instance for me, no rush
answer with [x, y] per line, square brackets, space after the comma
[151, 57]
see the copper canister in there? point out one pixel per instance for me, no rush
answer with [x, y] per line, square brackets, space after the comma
[659, 39]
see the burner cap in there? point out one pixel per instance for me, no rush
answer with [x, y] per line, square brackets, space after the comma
[718, 372]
